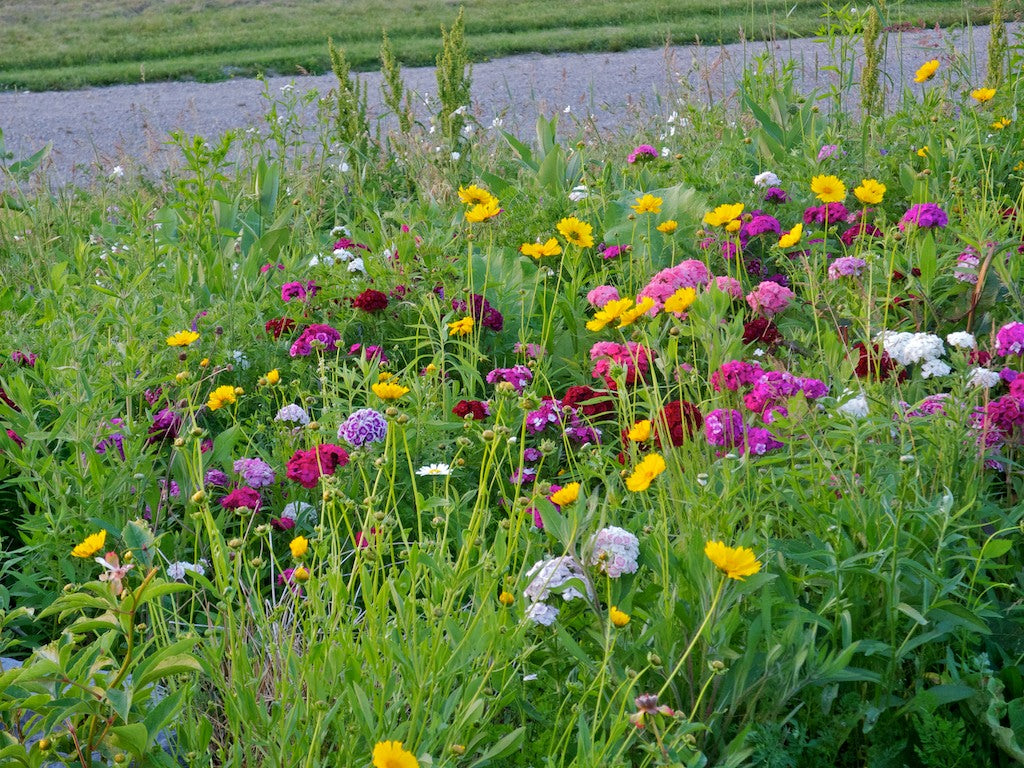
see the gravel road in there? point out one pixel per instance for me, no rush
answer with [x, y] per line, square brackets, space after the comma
[96, 129]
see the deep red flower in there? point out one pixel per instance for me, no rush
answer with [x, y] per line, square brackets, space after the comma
[370, 301]
[306, 467]
[683, 419]
[596, 404]
[761, 330]
[479, 409]
[279, 326]
[876, 364]
[241, 497]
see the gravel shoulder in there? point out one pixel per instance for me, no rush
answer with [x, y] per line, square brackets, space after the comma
[96, 129]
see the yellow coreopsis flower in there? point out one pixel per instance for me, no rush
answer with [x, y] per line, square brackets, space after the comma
[645, 472]
[611, 311]
[576, 232]
[681, 300]
[301, 573]
[182, 338]
[91, 545]
[626, 318]
[734, 225]
[829, 189]
[273, 377]
[981, 95]
[792, 237]
[1003, 122]
[483, 211]
[540, 250]
[734, 563]
[923, 151]
[299, 546]
[640, 431]
[870, 192]
[389, 391]
[926, 71]
[566, 495]
[668, 227]
[221, 396]
[462, 327]
[389, 754]
[618, 618]
[506, 598]
[723, 214]
[474, 195]
[647, 204]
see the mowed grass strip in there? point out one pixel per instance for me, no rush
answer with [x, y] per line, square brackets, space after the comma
[73, 43]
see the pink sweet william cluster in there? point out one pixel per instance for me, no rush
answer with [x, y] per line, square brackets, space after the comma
[307, 467]
[632, 357]
[601, 295]
[317, 333]
[1010, 339]
[769, 298]
[725, 428]
[687, 274]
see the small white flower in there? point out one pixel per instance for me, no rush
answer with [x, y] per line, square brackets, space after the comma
[934, 368]
[856, 407]
[344, 167]
[962, 340]
[983, 377]
[542, 613]
[567, 110]
[907, 458]
[702, 478]
[117, 172]
[497, 122]
[467, 130]
[340, 230]
[288, 88]
[528, 678]
[356, 265]
[758, 352]
[343, 254]
[666, 152]
[461, 110]
[456, 155]
[240, 359]
[434, 470]
[579, 193]
[296, 509]
[766, 179]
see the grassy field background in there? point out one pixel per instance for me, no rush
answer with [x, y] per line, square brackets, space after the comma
[73, 43]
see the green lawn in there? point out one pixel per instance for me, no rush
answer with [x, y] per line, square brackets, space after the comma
[71, 43]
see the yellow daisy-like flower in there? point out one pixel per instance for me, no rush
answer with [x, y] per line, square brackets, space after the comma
[645, 472]
[299, 546]
[648, 204]
[681, 300]
[1019, 166]
[923, 151]
[626, 318]
[734, 225]
[618, 618]
[182, 338]
[829, 189]
[389, 391]
[926, 71]
[273, 377]
[640, 431]
[668, 227]
[506, 598]
[576, 232]
[734, 563]
[483, 211]
[792, 237]
[92, 544]
[723, 214]
[611, 311]
[540, 250]
[461, 327]
[221, 396]
[567, 495]
[474, 195]
[981, 95]
[1003, 122]
[870, 192]
[385, 376]
[301, 573]
[389, 754]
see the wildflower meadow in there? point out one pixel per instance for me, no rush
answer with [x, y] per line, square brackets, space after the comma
[417, 443]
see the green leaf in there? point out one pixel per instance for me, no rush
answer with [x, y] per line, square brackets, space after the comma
[996, 548]
[121, 701]
[173, 665]
[138, 538]
[132, 738]
[506, 745]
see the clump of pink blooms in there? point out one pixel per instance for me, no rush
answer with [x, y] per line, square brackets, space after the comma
[687, 274]
[769, 298]
[846, 266]
[601, 295]
[633, 358]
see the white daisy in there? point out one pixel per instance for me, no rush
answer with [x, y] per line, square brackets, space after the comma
[434, 470]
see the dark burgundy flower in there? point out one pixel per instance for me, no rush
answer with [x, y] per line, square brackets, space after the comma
[979, 357]
[775, 195]
[279, 326]
[682, 418]
[306, 467]
[23, 358]
[15, 437]
[595, 404]
[241, 497]
[165, 426]
[863, 229]
[370, 301]
[7, 399]
[282, 523]
[478, 409]
[761, 330]
[876, 364]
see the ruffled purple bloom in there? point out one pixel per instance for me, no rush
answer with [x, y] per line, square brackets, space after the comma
[724, 427]
[317, 333]
[925, 216]
[518, 376]
[217, 478]
[256, 472]
[241, 497]
[113, 440]
[481, 311]
[165, 426]
[846, 266]
[775, 195]
[759, 225]
[363, 427]
[1010, 339]
[642, 153]
[832, 212]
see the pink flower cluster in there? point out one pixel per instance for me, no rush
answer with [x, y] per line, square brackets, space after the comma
[317, 333]
[687, 274]
[769, 298]
[1010, 339]
[633, 358]
[601, 295]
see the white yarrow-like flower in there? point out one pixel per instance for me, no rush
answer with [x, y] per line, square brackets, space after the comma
[552, 574]
[962, 340]
[578, 193]
[542, 613]
[855, 406]
[356, 265]
[934, 368]
[983, 377]
[766, 179]
[294, 413]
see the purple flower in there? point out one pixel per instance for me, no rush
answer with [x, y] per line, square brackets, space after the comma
[23, 358]
[255, 472]
[613, 251]
[1010, 339]
[759, 441]
[216, 477]
[316, 333]
[925, 216]
[826, 151]
[113, 440]
[724, 427]
[363, 427]
[832, 212]
[165, 426]
[241, 497]
[969, 261]
[601, 295]
[846, 266]
[481, 311]
[642, 153]
[759, 225]
[518, 376]
[775, 195]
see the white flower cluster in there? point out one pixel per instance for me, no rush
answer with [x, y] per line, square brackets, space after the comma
[855, 406]
[983, 377]
[962, 340]
[909, 348]
[177, 571]
[293, 510]
[766, 179]
[549, 577]
[614, 551]
[294, 413]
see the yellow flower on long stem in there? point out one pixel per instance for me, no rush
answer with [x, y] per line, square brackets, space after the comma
[91, 545]
[626, 318]
[648, 204]
[792, 237]
[617, 617]
[576, 232]
[461, 327]
[299, 546]
[567, 495]
[829, 189]
[736, 563]
[540, 250]
[680, 301]
[870, 192]
[474, 195]
[389, 391]
[668, 227]
[640, 431]
[273, 377]
[182, 338]
[483, 211]
[611, 311]
[723, 214]
[390, 754]
[643, 475]
[981, 95]
[222, 396]
[926, 71]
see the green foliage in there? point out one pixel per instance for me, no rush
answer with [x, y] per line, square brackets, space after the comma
[396, 96]
[454, 80]
[351, 123]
